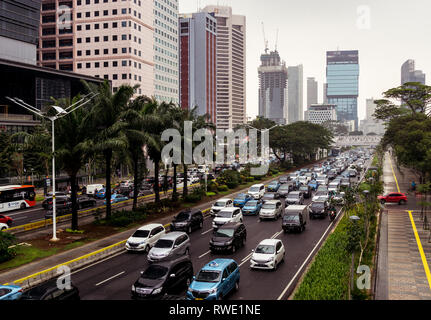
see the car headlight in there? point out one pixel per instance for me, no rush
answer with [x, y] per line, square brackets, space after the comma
[157, 291]
[213, 290]
[189, 289]
[133, 288]
[229, 243]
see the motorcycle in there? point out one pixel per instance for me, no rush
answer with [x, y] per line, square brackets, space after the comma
[332, 214]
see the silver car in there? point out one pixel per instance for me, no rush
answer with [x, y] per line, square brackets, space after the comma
[271, 209]
[170, 246]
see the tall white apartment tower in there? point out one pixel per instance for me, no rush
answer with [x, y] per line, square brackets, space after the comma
[231, 67]
[166, 51]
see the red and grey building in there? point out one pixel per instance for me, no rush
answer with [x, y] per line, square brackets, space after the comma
[198, 82]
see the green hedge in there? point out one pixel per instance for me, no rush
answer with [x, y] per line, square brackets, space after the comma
[328, 276]
[223, 188]
[6, 240]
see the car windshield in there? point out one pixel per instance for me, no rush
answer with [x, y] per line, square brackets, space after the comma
[141, 234]
[154, 272]
[252, 204]
[241, 196]
[224, 214]
[224, 233]
[268, 206]
[208, 276]
[274, 183]
[265, 249]
[321, 193]
[284, 187]
[220, 204]
[4, 291]
[303, 188]
[164, 243]
[319, 203]
[293, 196]
[254, 189]
[291, 218]
[183, 216]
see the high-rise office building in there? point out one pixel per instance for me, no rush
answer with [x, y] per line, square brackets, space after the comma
[325, 89]
[102, 38]
[295, 108]
[342, 75]
[320, 113]
[198, 63]
[273, 88]
[312, 91]
[19, 25]
[166, 42]
[369, 124]
[409, 74]
[231, 67]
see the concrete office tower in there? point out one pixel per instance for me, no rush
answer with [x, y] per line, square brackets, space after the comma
[342, 75]
[102, 38]
[231, 67]
[198, 86]
[273, 88]
[312, 91]
[295, 107]
[166, 42]
[320, 113]
[409, 74]
[19, 25]
[369, 124]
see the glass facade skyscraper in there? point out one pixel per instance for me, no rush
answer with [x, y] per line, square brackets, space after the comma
[342, 75]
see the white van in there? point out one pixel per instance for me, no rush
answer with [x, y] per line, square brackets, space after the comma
[92, 187]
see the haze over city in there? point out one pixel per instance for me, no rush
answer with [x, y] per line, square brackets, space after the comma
[309, 28]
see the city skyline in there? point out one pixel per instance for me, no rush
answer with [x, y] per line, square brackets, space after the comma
[337, 29]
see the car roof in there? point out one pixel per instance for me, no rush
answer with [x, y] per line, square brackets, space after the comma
[218, 264]
[150, 226]
[229, 209]
[230, 225]
[169, 263]
[224, 199]
[257, 185]
[272, 201]
[173, 235]
[269, 242]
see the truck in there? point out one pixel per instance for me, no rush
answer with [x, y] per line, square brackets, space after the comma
[294, 218]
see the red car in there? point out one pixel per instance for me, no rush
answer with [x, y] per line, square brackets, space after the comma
[393, 197]
[6, 219]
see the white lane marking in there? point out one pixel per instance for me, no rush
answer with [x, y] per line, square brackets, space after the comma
[117, 275]
[23, 212]
[206, 231]
[20, 218]
[202, 255]
[100, 261]
[306, 259]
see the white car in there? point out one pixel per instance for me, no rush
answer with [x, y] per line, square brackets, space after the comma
[230, 214]
[320, 194]
[271, 209]
[3, 226]
[219, 205]
[257, 191]
[268, 254]
[303, 180]
[145, 237]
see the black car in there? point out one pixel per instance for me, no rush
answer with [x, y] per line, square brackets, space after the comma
[162, 278]
[47, 203]
[318, 209]
[50, 291]
[188, 220]
[62, 203]
[284, 179]
[284, 189]
[228, 237]
[270, 196]
[306, 191]
[86, 202]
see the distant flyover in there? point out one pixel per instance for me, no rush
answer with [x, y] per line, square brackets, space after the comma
[358, 141]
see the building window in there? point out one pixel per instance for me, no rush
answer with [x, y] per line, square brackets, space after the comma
[114, 24]
[105, 12]
[115, 76]
[106, 64]
[124, 76]
[115, 63]
[96, 26]
[96, 39]
[87, 27]
[105, 26]
[97, 52]
[88, 40]
[79, 65]
[87, 52]
[124, 37]
[105, 51]
[88, 65]
[96, 64]
[79, 40]
[105, 38]
[114, 38]
[79, 27]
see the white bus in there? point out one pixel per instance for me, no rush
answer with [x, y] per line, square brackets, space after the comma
[16, 197]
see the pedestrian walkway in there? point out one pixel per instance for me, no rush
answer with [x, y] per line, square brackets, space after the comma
[404, 247]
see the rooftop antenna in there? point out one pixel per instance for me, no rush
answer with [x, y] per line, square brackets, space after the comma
[276, 41]
[264, 38]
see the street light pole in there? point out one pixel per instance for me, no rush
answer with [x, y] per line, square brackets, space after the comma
[60, 112]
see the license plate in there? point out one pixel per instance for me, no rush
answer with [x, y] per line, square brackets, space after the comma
[198, 299]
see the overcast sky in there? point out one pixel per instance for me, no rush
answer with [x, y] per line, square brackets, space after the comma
[398, 30]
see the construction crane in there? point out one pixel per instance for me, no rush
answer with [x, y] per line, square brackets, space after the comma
[264, 38]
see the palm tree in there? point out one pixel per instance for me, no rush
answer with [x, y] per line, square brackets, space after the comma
[108, 128]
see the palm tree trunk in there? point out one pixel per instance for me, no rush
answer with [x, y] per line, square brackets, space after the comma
[156, 179]
[74, 190]
[185, 191]
[174, 180]
[108, 158]
[136, 182]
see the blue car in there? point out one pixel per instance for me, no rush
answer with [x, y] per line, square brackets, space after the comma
[215, 280]
[252, 207]
[117, 198]
[241, 199]
[273, 186]
[100, 194]
[313, 184]
[10, 292]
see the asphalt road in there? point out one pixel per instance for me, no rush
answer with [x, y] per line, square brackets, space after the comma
[112, 279]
